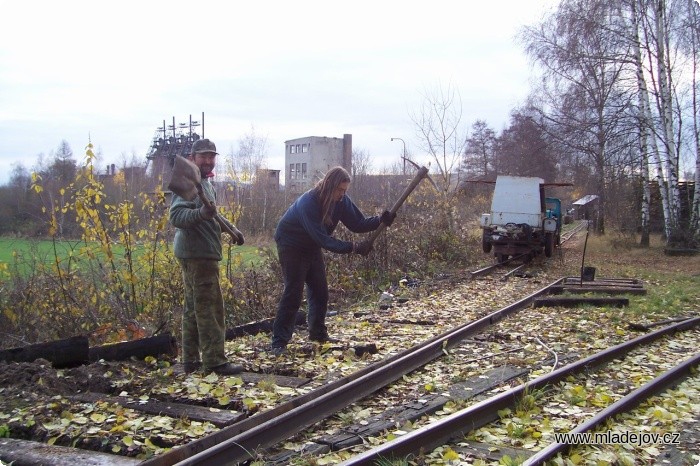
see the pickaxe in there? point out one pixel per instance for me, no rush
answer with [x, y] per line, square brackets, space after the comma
[421, 174]
[185, 181]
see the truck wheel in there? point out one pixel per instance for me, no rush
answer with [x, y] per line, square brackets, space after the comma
[548, 244]
[485, 243]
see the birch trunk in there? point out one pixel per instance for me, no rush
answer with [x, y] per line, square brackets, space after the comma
[695, 213]
[666, 113]
[645, 124]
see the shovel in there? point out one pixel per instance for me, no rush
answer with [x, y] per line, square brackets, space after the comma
[185, 182]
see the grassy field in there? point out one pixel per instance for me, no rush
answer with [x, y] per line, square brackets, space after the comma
[24, 253]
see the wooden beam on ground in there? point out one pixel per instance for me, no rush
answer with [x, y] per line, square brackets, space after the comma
[262, 326]
[218, 417]
[69, 352]
[24, 452]
[558, 289]
[564, 301]
[628, 282]
[163, 344]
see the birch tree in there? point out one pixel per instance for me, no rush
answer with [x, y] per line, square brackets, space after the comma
[588, 98]
[664, 36]
[665, 102]
[645, 123]
[691, 25]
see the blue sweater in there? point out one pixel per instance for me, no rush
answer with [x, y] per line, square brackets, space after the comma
[302, 226]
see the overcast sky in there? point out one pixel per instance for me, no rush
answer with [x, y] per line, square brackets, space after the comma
[113, 71]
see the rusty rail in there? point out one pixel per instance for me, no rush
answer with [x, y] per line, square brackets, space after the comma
[480, 414]
[236, 443]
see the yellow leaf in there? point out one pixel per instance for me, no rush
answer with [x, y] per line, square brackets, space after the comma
[128, 441]
[450, 455]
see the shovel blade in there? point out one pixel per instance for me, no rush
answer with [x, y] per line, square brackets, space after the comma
[184, 178]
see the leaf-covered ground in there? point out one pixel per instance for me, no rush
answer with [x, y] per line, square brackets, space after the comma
[34, 397]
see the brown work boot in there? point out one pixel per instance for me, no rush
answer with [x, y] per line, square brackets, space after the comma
[192, 366]
[227, 369]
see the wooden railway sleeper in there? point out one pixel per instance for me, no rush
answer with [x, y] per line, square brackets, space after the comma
[475, 416]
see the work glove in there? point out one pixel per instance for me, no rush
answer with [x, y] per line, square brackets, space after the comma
[238, 236]
[362, 248]
[207, 212]
[387, 218]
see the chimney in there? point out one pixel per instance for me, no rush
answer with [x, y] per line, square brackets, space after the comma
[347, 152]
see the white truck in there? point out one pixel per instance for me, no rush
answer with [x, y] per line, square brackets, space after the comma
[522, 222]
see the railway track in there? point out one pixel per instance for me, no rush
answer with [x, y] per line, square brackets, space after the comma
[453, 426]
[353, 392]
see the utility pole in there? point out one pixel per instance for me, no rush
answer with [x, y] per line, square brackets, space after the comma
[404, 152]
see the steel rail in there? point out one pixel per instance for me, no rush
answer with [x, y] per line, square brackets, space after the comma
[482, 413]
[490, 268]
[517, 269]
[278, 424]
[627, 403]
[570, 233]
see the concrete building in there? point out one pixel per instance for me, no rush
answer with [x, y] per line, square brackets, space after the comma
[308, 159]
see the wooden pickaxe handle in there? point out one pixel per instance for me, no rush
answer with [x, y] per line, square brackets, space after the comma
[422, 173]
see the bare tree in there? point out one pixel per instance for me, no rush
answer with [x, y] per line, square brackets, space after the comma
[251, 192]
[586, 86]
[361, 167]
[57, 178]
[243, 163]
[523, 149]
[439, 129]
[361, 162]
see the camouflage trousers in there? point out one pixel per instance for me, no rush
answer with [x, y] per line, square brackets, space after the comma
[203, 325]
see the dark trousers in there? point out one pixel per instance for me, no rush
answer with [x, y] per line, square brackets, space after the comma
[301, 268]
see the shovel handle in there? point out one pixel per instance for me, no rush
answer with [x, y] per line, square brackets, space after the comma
[224, 226]
[422, 173]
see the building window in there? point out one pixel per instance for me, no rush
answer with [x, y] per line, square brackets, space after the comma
[292, 149]
[303, 171]
[292, 174]
[304, 147]
[298, 171]
[298, 148]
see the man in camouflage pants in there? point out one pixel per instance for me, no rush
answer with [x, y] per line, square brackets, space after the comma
[198, 248]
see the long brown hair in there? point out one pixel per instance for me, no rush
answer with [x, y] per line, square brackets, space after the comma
[325, 189]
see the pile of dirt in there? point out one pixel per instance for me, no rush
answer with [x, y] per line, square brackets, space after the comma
[41, 379]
